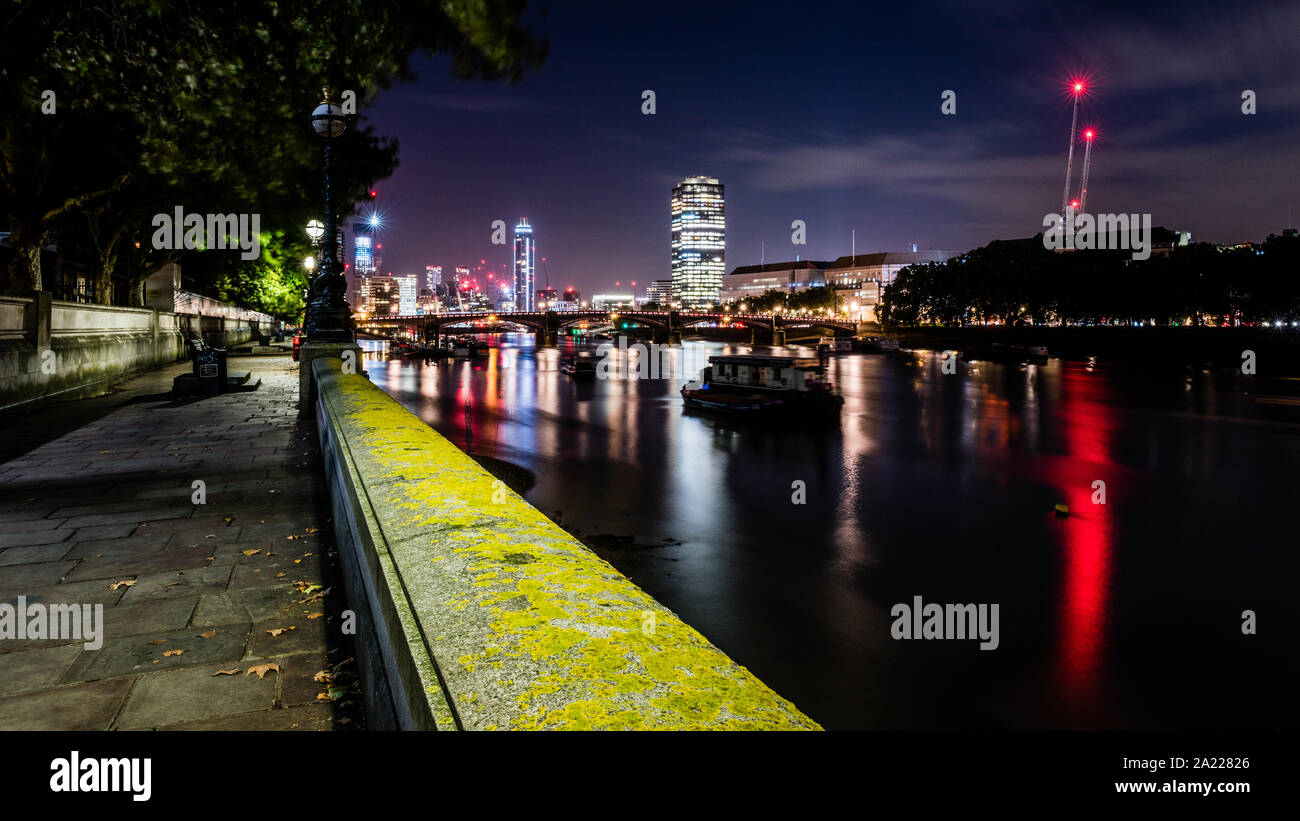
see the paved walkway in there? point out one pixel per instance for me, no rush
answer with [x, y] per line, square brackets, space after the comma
[194, 595]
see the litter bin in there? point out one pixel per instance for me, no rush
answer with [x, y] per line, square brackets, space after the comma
[209, 367]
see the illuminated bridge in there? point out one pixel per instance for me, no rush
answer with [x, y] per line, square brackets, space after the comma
[665, 326]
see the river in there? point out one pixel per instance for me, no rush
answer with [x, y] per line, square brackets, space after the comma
[790, 546]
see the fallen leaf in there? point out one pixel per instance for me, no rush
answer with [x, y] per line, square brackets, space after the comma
[292, 536]
[309, 530]
[208, 634]
[123, 583]
[306, 555]
[250, 552]
[172, 652]
[314, 615]
[158, 641]
[263, 669]
[277, 631]
[173, 584]
[106, 451]
[324, 677]
[273, 491]
[297, 561]
[233, 672]
[280, 575]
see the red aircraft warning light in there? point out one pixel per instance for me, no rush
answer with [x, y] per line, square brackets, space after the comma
[1078, 85]
[1089, 134]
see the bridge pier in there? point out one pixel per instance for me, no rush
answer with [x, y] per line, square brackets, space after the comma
[547, 338]
[778, 337]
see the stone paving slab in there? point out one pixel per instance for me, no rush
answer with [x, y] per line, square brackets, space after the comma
[90, 706]
[102, 511]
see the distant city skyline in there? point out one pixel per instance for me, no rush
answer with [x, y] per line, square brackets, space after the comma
[851, 140]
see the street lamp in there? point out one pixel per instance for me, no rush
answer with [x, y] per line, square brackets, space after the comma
[315, 230]
[329, 319]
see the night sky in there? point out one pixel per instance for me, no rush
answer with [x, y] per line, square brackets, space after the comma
[831, 115]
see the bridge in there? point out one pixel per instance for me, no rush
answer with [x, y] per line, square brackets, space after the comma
[665, 326]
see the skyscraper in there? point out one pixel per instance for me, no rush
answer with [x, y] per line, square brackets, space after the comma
[524, 254]
[363, 251]
[699, 241]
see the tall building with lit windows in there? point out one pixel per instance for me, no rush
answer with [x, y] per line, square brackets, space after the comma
[525, 252]
[699, 241]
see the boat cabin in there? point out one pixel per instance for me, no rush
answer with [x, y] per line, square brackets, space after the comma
[764, 372]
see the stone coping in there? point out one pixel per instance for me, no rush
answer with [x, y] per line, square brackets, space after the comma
[498, 616]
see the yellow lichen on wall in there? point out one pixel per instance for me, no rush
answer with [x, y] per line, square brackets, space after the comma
[544, 633]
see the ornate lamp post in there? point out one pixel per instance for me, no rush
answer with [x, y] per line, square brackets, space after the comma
[329, 319]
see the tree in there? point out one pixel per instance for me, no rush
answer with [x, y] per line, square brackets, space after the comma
[205, 105]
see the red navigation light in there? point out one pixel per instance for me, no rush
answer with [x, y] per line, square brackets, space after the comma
[373, 194]
[1078, 85]
[1074, 203]
[1088, 134]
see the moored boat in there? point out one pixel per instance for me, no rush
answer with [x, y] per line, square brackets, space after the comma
[754, 385]
[878, 344]
[580, 366]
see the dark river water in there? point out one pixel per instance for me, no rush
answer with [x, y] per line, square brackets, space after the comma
[1126, 614]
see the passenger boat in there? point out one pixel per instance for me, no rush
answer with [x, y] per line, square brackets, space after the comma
[878, 344]
[580, 366]
[836, 344]
[754, 385]
[468, 346]
[1001, 352]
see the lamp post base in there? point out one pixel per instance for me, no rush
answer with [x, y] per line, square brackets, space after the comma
[348, 351]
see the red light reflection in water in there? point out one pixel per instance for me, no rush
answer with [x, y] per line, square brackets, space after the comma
[1086, 537]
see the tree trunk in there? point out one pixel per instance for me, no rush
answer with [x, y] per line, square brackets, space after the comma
[104, 276]
[24, 272]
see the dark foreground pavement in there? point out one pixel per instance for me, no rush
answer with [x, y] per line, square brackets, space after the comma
[194, 595]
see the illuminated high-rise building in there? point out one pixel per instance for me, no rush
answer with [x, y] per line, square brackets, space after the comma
[699, 241]
[525, 251]
[407, 291]
[363, 250]
[432, 276]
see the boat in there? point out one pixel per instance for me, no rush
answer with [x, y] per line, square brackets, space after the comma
[1001, 352]
[878, 344]
[836, 344]
[580, 366]
[468, 346]
[753, 385]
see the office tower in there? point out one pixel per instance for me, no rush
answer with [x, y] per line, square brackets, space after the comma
[525, 251]
[407, 290]
[699, 229]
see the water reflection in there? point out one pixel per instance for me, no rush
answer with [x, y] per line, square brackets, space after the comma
[934, 484]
